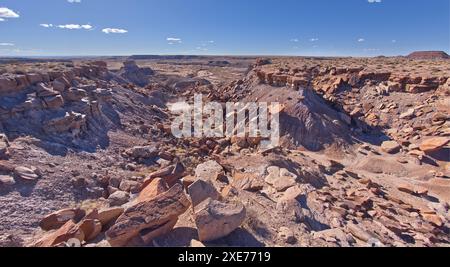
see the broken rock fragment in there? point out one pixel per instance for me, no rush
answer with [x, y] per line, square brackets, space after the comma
[105, 216]
[25, 173]
[216, 219]
[59, 218]
[149, 216]
[155, 188]
[118, 198]
[201, 190]
[434, 144]
[390, 147]
[68, 231]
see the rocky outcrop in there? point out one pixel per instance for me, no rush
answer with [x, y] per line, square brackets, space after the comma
[72, 122]
[428, 55]
[134, 74]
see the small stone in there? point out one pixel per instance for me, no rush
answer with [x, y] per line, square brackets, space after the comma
[7, 180]
[390, 147]
[24, 173]
[118, 198]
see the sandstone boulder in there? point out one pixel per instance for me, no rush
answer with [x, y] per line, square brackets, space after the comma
[105, 216]
[208, 171]
[59, 218]
[201, 190]
[390, 147]
[118, 198]
[68, 231]
[216, 219]
[148, 215]
[91, 228]
[281, 179]
[156, 187]
[170, 174]
[248, 181]
[434, 144]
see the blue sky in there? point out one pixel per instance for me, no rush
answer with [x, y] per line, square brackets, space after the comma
[235, 27]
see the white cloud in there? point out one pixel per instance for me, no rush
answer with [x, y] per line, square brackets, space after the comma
[2, 19]
[74, 1]
[295, 40]
[113, 30]
[374, 1]
[75, 26]
[201, 48]
[45, 25]
[174, 40]
[6, 44]
[361, 40]
[7, 13]
[314, 39]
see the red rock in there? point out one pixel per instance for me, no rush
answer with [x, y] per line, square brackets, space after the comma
[151, 214]
[390, 147]
[155, 188]
[67, 231]
[105, 216]
[434, 219]
[57, 219]
[434, 144]
[91, 228]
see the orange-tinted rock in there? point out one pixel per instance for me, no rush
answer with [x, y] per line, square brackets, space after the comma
[433, 218]
[57, 219]
[68, 231]
[91, 228]
[156, 187]
[148, 215]
[105, 216]
[434, 144]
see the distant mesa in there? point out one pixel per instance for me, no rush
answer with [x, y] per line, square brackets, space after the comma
[429, 55]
